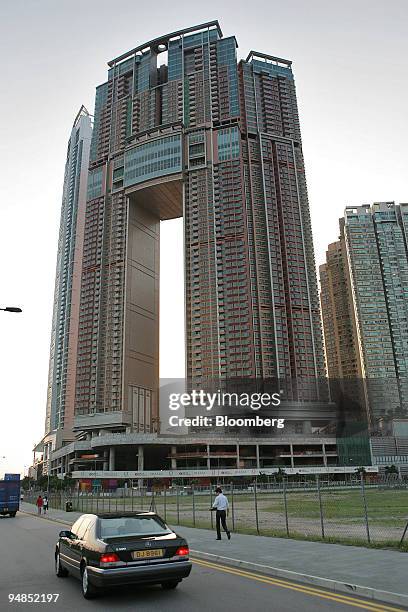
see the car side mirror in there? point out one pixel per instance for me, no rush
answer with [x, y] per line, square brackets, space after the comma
[65, 534]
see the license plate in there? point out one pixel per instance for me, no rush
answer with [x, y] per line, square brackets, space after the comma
[147, 554]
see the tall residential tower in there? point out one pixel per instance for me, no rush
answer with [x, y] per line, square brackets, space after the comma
[182, 129]
[65, 321]
[365, 305]
[340, 337]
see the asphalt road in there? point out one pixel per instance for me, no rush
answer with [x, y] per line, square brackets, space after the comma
[26, 566]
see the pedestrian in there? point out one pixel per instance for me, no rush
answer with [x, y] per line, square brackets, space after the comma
[45, 504]
[39, 503]
[221, 508]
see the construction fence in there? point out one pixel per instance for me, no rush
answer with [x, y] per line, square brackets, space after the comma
[355, 512]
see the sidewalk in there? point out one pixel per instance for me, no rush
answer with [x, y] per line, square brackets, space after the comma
[377, 574]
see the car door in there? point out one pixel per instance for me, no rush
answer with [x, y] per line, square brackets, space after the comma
[67, 549]
[78, 544]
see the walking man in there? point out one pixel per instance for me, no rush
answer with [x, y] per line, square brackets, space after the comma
[221, 508]
[45, 504]
[39, 503]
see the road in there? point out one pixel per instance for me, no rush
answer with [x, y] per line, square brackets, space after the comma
[26, 566]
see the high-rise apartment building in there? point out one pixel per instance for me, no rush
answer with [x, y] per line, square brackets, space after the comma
[364, 297]
[340, 340]
[182, 129]
[65, 321]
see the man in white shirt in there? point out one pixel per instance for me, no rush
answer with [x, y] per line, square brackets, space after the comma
[221, 507]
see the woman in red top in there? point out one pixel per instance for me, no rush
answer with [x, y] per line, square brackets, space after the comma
[39, 503]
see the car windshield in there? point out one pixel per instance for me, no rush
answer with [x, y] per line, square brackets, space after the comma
[132, 526]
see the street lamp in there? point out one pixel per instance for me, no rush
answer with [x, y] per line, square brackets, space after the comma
[11, 309]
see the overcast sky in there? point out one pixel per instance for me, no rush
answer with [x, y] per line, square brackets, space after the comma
[350, 65]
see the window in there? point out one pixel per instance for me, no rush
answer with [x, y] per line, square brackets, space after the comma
[95, 183]
[77, 525]
[83, 528]
[228, 143]
[152, 159]
[140, 405]
[132, 526]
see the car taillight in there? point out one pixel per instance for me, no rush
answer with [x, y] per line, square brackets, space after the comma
[182, 551]
[109, 558]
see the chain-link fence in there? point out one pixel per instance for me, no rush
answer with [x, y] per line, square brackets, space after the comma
[355, 511]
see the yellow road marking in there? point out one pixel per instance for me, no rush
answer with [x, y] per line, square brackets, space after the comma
[339, 598]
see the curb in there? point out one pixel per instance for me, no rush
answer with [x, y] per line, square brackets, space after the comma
[44, 518]
[336, 586]
[331, 585]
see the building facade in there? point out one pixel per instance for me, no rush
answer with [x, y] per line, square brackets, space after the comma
[184, 129]
[161, 454]
[217, 142]
[390, 448]
[65, 322]
[340, 338]
[364, 296]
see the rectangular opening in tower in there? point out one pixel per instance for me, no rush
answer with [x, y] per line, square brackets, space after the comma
[172, 323]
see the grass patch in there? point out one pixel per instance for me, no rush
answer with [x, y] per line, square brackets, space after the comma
[381, 504]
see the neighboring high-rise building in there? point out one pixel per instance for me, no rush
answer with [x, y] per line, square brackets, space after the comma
[182, 129]
[373, 279]
[340, 340]
[64, 334]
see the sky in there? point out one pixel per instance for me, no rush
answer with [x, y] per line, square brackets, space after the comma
[350, 65]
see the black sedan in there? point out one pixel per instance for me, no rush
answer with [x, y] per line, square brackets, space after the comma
[120, 549]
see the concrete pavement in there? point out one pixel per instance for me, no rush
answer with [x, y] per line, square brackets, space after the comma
[26, 567]
[379, 575]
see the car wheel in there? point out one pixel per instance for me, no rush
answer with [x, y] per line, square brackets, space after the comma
[60, 571]
[13, 514]
[172, 584]
[88, 589]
